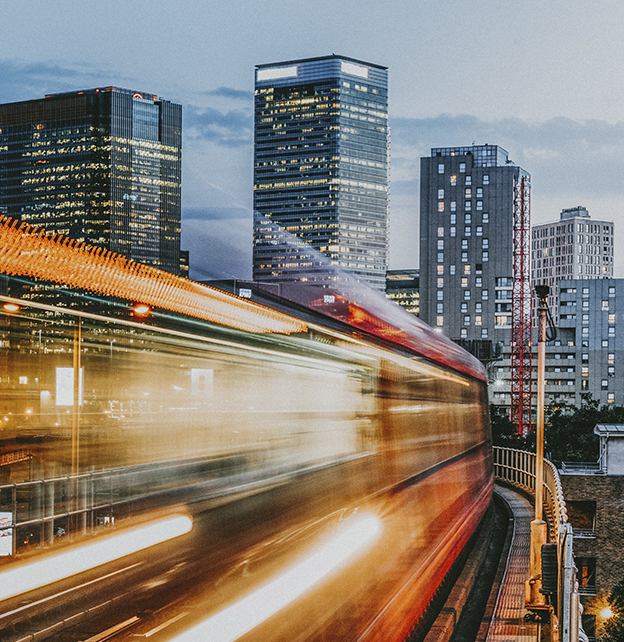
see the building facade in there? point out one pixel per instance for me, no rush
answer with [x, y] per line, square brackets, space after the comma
[403, 287]
[321, 166]
[588, 354]
[102, 166]
[575, 247]
[466, 241]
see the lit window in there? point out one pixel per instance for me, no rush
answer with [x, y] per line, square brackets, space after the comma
[605, 305]
[468, 192]
[467, 268]
[478, 320]
[453, 207]
[440, 245]
[454, 180]
[464, 282]
[612, 317]
[23, 380]
[464, 333]
[440, 231]
[440, 282]
[611, 397]
[440, 269]
[611, 357]
[440, 194]
[439, 320]
[441, 206]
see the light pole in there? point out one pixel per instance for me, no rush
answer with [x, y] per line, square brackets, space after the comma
[539, 534]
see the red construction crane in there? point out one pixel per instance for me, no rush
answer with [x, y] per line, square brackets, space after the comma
[521, 375]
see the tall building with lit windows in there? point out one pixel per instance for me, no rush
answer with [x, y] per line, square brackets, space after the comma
[102, 166]
[466, 242]
[574, 247]
[321, 166]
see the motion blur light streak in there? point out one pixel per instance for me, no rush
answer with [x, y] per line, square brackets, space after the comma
[244, 615]
[78, 559]
[28, 251]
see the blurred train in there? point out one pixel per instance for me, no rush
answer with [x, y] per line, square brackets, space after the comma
[330, 420]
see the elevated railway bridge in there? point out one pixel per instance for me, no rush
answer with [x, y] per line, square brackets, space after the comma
[205, 467]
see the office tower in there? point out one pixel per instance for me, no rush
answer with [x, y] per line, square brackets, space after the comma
[403, 287]
[101, 166]
[321, 166]
[574, 247]
[467, 241]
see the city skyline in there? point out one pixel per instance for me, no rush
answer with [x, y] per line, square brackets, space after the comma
[541, 81]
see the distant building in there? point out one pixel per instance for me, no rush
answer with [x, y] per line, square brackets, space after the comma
[575, 247]
[102, 166]
[466, 241]
[403, 287]
[594, 495]
[321, 167]
[588, 353]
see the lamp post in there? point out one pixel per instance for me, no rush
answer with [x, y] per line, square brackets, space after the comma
[539, 534]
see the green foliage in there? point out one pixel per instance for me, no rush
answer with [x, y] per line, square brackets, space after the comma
[568, 431]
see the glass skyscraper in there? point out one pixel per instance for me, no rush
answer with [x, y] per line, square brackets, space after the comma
[102, 166]
[321, 167]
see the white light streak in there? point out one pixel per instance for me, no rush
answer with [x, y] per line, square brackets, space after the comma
[241, 617]
[78, 559]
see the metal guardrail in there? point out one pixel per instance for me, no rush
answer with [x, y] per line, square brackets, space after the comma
[517, 467]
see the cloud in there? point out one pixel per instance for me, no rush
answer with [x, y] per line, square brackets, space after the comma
[229, 129]
[25, 81]
[228, 92]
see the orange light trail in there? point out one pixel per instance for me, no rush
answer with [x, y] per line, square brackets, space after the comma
[28, 251]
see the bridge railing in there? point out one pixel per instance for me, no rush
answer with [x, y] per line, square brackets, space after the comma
[517, 467]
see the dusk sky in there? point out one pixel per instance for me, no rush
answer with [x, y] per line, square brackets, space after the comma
[541, 79]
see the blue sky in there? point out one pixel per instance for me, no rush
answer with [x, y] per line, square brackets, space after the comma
[541, 79]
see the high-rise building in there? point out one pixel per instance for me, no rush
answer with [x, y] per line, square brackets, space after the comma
[102, 166]
[467, 241]
[403, 287]
[574, 247]
[321, 166]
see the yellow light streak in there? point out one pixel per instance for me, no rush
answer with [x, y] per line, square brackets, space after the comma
[32, 575]
[351, 539]
[29, 251]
